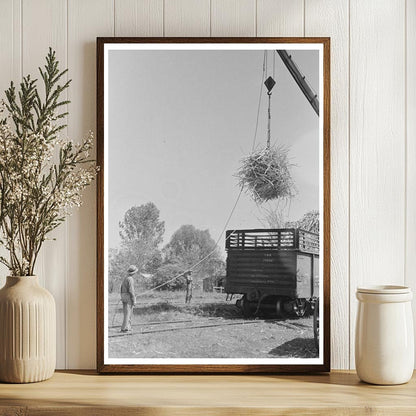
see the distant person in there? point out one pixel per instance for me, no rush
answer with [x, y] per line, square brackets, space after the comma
[189, 285]
[128, 298]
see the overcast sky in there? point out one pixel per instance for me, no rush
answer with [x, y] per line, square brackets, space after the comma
[180, 122]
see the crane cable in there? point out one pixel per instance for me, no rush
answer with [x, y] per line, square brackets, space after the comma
[269, 120]
[269, 109]
[263, 78]
[207, 256]
[259, 101]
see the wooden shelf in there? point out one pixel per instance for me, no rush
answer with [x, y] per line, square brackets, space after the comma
[86, 393]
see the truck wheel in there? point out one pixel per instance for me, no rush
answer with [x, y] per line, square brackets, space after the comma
[300, 307]
[280, 312]
[316, 324]
[246, 308]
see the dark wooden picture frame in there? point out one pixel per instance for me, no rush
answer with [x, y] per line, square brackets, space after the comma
[103, 367]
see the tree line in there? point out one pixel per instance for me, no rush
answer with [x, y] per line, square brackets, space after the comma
[141, 233]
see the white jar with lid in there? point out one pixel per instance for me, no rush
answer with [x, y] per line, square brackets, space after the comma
[384, 337]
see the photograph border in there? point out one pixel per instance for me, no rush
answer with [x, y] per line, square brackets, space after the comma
[325, 302]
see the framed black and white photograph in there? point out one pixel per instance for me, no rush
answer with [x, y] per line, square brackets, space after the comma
[213, 205]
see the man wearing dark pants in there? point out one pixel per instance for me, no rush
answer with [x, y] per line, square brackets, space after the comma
[189, 284]
[128, 298]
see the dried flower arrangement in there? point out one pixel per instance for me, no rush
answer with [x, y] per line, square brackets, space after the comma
[41, 175]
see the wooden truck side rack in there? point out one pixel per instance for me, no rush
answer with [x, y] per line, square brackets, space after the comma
[273, 239]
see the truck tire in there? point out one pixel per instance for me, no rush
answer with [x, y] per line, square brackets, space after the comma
[246, 308]
[316, 324]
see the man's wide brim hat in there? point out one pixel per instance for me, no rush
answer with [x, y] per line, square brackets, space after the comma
[132, 270]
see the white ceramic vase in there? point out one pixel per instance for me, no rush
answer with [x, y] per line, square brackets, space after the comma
[384, 339]
[27, 331]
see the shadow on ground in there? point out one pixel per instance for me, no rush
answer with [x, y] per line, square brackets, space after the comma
[215, 310]
[157, 308]
[296, 348]
[209, 310]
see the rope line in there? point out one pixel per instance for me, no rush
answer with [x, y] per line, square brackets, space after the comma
[208, 255]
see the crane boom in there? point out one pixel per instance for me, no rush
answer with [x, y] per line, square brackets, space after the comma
[300, 80]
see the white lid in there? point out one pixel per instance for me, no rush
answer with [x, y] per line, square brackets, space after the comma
[384, 289]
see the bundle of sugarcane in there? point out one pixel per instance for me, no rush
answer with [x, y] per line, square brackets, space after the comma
[309, 222]
[265, 174]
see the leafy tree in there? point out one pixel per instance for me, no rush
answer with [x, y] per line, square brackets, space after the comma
[187, 247]
[168, 271]
[189, 242]
[142, 223]
[141, 231]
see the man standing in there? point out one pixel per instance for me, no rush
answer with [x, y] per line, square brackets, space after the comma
[128, 298]
[189, 284]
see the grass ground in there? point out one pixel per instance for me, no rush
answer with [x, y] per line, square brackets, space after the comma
[209, 327]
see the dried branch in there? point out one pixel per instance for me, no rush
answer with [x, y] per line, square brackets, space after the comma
[37, 192]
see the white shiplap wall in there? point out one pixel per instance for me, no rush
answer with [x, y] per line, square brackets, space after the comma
[373, 129]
